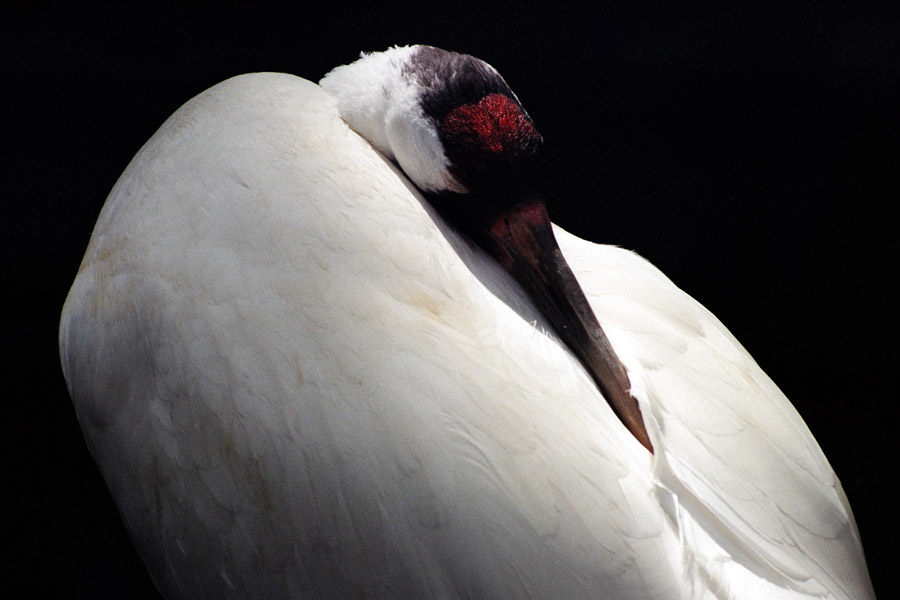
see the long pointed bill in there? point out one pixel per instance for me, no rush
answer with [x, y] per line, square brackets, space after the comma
[527, 248]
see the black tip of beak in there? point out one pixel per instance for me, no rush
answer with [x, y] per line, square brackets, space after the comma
[526, 247]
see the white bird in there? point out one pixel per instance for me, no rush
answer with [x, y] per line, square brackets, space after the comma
[323, 344]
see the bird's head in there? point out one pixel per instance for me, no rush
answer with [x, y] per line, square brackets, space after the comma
[449, 120]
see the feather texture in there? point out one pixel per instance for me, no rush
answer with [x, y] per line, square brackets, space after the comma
[299, 382]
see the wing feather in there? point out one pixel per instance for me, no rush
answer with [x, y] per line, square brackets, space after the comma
[735, 464]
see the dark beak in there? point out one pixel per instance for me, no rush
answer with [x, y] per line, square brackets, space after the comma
[526, 247]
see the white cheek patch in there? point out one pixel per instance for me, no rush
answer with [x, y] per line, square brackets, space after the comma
[381, 104]
[416, 146]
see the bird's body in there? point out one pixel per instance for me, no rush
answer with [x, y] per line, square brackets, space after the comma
[299, 381]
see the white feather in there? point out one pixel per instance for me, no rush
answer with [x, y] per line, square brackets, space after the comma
[381, 102]
[298, 382]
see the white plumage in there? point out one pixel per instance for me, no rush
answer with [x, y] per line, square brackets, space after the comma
[300, 382]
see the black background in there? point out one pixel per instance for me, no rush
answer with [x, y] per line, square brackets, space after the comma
[751, 153]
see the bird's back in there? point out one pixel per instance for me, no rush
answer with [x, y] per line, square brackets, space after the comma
[299, 382]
